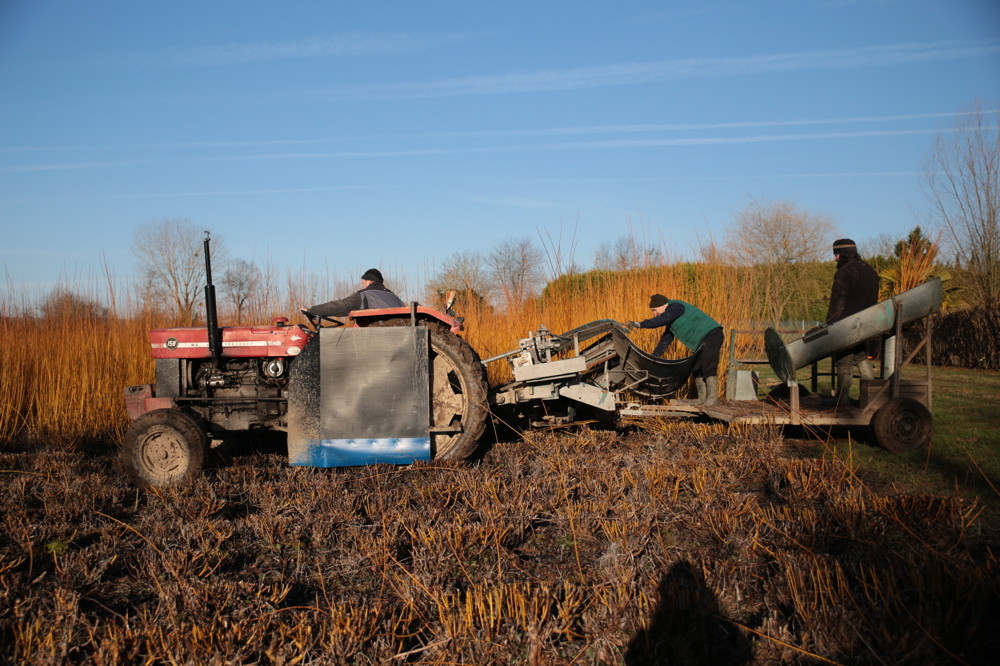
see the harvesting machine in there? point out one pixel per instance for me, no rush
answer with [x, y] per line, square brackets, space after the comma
[596, 367]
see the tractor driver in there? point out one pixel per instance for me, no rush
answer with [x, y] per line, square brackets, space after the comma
[372, 295]
[695, 329]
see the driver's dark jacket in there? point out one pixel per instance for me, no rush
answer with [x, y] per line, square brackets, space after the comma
[371, 297]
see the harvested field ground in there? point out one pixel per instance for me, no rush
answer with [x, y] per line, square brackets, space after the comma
[680, 543]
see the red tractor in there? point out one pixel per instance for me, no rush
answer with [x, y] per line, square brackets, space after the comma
[392, 385]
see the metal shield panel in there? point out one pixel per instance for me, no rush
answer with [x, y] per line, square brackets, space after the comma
[374, 398]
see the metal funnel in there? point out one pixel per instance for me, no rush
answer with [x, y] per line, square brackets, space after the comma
[851, 331]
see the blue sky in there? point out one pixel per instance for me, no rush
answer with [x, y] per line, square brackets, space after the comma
[333, 136]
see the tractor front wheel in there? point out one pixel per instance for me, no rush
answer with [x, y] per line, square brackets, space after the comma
[902, 425]
[164, 447]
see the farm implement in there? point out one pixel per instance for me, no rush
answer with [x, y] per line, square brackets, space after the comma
[596, 368]
[398, 385]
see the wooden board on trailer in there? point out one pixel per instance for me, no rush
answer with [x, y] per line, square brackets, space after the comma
[762, 412]
[753, 412]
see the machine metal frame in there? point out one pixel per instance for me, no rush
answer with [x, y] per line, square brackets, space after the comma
[614, 375]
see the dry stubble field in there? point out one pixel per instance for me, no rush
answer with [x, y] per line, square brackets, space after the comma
[678, 543]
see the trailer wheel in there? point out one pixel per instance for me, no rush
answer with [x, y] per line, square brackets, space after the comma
[901, 425]
[164, 447]
[458, 392]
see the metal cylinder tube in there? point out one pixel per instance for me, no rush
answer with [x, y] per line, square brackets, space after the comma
[912, 305]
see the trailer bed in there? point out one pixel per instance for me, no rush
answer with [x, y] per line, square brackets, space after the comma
[751, 412]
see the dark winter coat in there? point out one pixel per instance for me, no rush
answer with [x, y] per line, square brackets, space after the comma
[371, 297]
[855, 287]
[683, 320]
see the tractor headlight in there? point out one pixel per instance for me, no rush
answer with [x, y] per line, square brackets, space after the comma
[274, 368]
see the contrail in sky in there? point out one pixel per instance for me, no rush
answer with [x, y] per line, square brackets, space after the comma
[542, 131]
[624, 74]
[465, 150]
[582, 145]
[502, 148]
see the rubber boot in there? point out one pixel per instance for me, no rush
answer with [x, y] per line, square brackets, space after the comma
[699, 385]
[841, 397]
[711, 390]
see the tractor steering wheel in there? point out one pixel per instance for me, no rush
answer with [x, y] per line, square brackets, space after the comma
[316, 320]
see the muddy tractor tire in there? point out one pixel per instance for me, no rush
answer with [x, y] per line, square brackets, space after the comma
[458, 392]
[163, 448]
[901, 425]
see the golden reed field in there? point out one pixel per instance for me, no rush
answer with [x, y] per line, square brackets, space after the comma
[63, 376]
[654, 543]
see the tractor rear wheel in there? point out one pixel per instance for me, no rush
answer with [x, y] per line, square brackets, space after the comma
[164, 447]
[901, 425]
[458, 392]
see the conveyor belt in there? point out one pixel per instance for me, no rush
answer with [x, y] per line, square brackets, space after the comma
[653, 377]
[645, 375]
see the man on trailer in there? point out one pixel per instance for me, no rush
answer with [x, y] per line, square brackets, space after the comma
[694, 329]
[855, 287]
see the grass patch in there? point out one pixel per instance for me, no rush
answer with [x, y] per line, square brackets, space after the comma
[964, 456]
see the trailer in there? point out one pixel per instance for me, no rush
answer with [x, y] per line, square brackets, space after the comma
[597, 369]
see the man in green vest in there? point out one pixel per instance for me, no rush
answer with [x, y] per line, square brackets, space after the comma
[696, 330]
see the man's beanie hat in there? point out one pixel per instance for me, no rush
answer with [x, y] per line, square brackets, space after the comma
[845, 246]
[372, 274]
[656, 300]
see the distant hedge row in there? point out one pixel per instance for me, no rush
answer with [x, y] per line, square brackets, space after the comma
[968, 338]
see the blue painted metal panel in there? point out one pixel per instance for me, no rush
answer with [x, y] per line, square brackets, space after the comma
[361, 396]
[350, 452]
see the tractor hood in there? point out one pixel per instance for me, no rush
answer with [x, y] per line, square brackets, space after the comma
[237, 341]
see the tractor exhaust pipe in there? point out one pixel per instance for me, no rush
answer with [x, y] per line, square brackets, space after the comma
[212, 316]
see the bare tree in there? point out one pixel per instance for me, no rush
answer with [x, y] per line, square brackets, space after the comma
[780, 240]
[962, 183]
[170, 254]
[465, 272]
[242, 281]
[881, 247]
[558, 262]
[781, 232]
[515, 267]
[306, 287]
[626, 253]
[267, 300]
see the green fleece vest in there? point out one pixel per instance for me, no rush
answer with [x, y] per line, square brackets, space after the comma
[692, 326]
